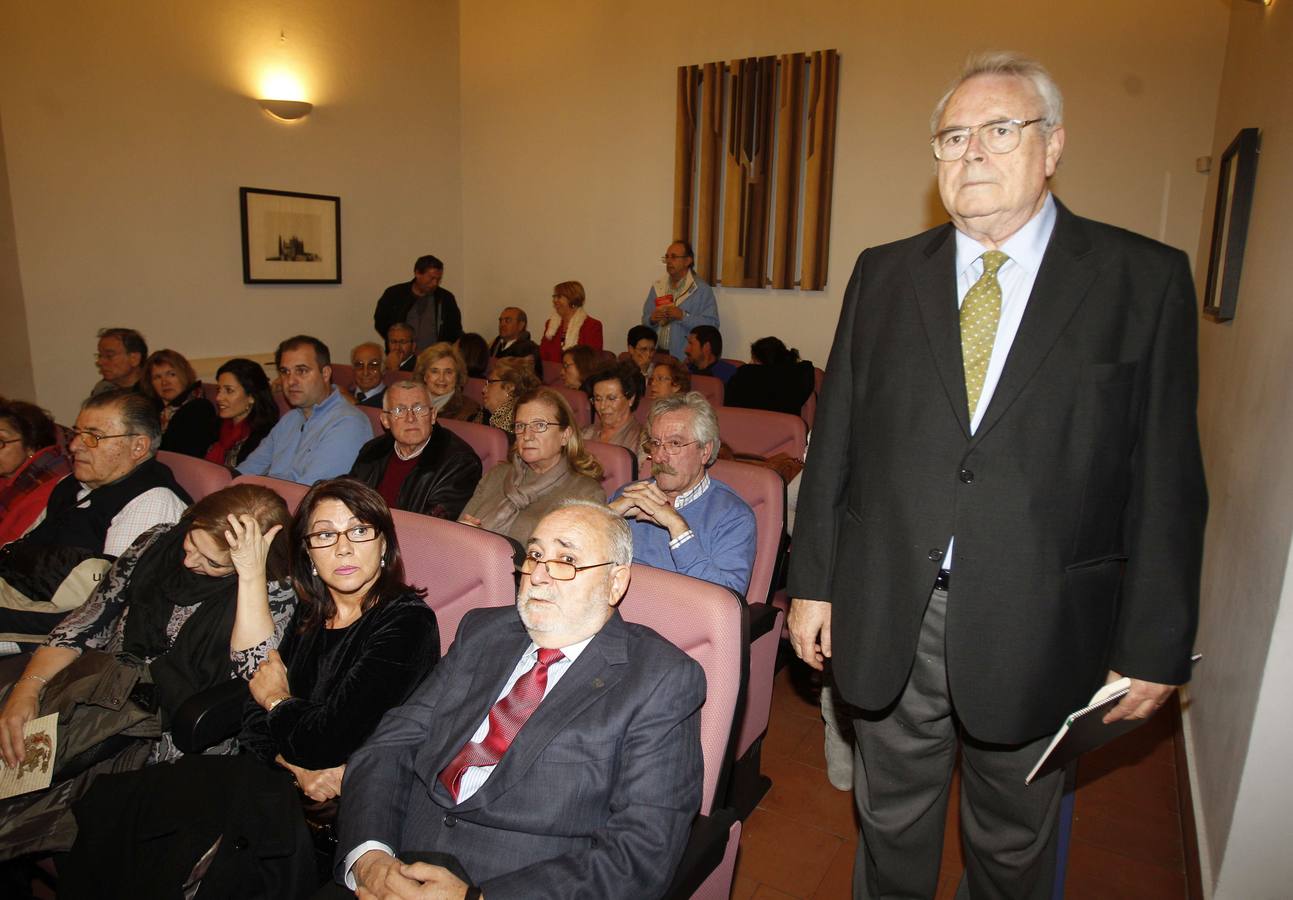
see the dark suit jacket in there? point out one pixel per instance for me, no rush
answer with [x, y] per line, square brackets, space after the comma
[441, 483]
[393, 306]
[373, 402]
[1078, 504]
[596, 795]
[523, 346]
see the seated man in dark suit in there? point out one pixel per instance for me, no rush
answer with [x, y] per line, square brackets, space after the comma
[418, 465]
[401, 348]
[595, 794]
[369, 388]
[514, 338]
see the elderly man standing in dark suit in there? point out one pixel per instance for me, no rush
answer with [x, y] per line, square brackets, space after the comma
[1021, 513]
[554, 752]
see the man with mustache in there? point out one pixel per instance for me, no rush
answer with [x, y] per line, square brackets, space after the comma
[683, 520]
[553, 752]
[116, 492]
[321, 436]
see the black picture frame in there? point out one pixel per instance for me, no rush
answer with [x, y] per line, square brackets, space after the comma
[1235, 182]
[289, 237]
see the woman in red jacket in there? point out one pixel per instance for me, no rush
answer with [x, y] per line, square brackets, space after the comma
[570, 325]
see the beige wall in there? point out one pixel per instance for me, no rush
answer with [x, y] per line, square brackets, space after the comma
[15, 352]
[129, 128]
[1239, 713]
[568, 129]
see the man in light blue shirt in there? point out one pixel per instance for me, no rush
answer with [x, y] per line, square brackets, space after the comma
[322, 434]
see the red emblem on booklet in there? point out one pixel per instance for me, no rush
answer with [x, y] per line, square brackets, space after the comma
[666, 300]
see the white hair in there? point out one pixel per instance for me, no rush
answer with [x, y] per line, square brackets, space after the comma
[1007, 62]
[616, 531]
[704, 421]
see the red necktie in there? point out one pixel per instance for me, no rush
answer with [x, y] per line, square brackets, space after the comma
[505, 719]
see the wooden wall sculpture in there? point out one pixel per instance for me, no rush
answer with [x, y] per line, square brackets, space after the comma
[754, 167]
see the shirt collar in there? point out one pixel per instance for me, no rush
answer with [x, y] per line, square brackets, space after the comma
[1025, 247]
[571, 653]
[694, 494]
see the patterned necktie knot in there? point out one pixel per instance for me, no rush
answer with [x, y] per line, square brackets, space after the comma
[993, 260]
[549, 655]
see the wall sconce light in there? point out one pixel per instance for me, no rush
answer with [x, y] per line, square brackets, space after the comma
[1264, 2]
[288, 110]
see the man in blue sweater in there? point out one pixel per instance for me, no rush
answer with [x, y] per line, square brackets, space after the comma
[321, 435]
[683, 520]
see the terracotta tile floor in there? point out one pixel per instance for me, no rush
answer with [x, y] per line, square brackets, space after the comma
[800, 841]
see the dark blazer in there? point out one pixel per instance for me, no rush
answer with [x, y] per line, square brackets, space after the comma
[1078, 504]
[523, 346]
[193, 428]
[444, 479]
[594, 798]
[393, 306]
[373, 402]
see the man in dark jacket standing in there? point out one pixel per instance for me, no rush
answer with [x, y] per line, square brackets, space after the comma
[430, 310]
[417, 465]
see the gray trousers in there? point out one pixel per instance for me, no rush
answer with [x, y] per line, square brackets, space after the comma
[903, 761]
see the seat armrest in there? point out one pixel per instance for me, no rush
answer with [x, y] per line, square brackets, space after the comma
[762, 617]
[210, 716]
[703, 853]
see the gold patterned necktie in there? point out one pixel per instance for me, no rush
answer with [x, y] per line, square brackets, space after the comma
[980, 313]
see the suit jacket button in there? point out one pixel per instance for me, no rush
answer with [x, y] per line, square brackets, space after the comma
[241, 844]
[935, 555]
[967, 477]
[450, 821]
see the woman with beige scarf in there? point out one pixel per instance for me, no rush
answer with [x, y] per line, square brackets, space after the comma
[570, 326]
[548, 465]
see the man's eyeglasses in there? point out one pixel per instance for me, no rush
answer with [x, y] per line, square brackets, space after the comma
[672, 257]
[418, 410]
[538, 426]
[91, 440]
[671, 446]
[374, 364]
[558, 570]
[356, 534]
[997, 136]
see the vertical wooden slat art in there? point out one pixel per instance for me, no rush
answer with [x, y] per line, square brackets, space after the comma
[725, 186]
[705, 243]
[823, 93]
[790, 116]
[748, 166]
[683, 161]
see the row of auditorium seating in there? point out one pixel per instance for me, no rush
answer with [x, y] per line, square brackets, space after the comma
[464, 568]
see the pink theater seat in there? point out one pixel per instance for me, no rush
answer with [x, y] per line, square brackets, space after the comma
[704, 620]
[461, 567]
[197, 476]
[290, 491]
[551, 372]
[475, 389]
[343, 376]
[374, 418]
[619, 466]
[761, 433]
[489, 442]
[400, 375]
[710, 388]
[765, 493]
[578, 401]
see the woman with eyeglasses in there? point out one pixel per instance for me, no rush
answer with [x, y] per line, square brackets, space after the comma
[186, 607]
[246, 409]
[570, 325]
[512, 377]
[443, 370]
[31, 463]
[615, 390]
[360, 641]
[668, 377]
[576, 363]
[548, 465]
[189, 422]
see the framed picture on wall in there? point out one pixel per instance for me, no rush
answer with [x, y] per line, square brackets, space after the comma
[1235, 183]
[290, 238]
